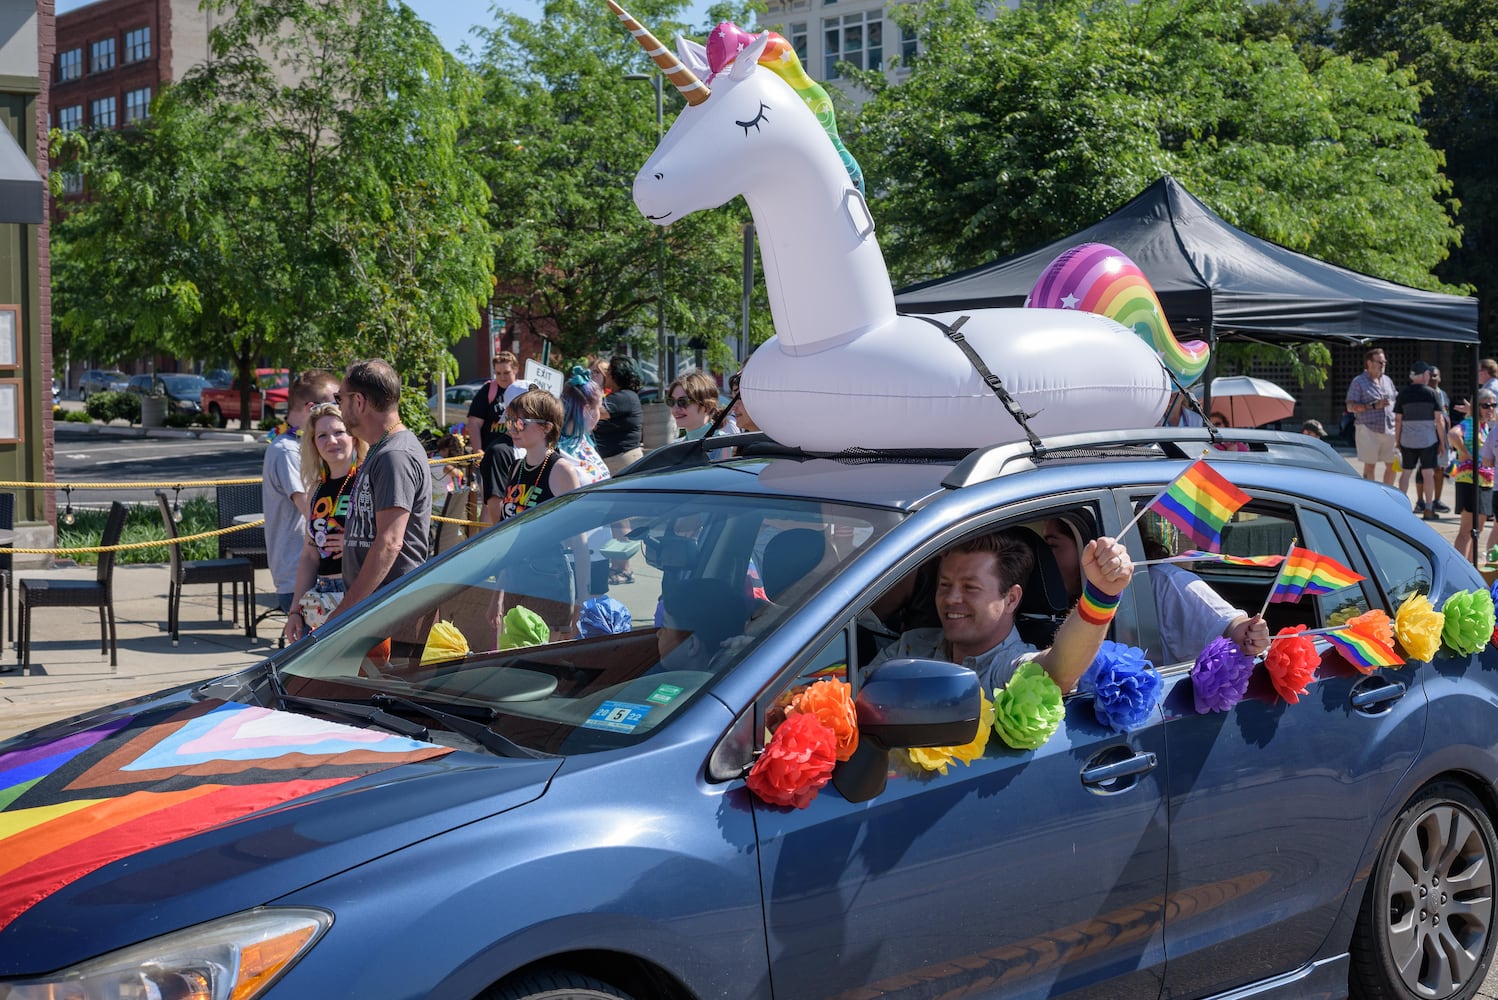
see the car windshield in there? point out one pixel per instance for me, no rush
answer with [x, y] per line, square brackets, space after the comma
[183, 385]
[489, 633]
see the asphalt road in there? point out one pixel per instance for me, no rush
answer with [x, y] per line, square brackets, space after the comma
[86, 457]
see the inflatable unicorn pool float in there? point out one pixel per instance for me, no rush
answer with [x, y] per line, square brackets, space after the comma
[844, 369]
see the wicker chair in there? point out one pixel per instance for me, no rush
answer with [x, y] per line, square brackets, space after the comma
[46, 592]
[186, 572]
[7, 581]
[445, 535]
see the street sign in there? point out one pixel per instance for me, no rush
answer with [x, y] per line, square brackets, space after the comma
[547, 378]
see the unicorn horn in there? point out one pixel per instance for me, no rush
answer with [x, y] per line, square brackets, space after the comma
[693, 89]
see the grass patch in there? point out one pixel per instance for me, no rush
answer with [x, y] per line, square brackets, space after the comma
[142, 524]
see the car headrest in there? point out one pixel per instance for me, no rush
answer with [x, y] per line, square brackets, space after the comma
[789, 557]
[1045, 591]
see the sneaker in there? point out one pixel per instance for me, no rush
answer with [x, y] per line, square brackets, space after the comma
[1431, 515]
[1441, 508]
[1419, 506]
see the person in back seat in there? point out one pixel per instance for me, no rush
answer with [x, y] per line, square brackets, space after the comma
[1191, 613]
[977, 593]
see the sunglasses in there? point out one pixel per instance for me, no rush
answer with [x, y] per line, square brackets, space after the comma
[680, 402]
[1487, 406]
[519, 423]
[338, 396]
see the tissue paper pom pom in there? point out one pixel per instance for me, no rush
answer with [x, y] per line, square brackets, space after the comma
[1292, 662]
[1375, 623]
[1469, 621]
[444, 642]
[1417, 626]
[938, 758]
[1028, 709]
[523, 627]
[831, 701]
[795, 764]
[1127, 691]
[603, 616]
[1220, 676]
[1112, 655]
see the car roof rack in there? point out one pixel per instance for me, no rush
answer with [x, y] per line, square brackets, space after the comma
[1180, 443]
[758, 444]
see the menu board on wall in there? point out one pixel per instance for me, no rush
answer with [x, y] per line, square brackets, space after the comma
[10, 409]
[10, 336]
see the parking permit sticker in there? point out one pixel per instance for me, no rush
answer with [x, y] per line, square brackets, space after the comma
[664, 694]
[617, 716]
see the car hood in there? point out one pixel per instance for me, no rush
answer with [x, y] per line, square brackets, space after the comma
[141, 823]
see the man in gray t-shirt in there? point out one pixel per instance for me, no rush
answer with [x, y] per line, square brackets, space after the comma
[390, 508]
[1419, 427]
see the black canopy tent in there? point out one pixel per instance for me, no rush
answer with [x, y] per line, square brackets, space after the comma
[1216, 281]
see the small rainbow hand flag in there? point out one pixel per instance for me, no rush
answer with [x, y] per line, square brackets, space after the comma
[1363, 650]
[1199, 503]
[1266, 562]
[1306, 572]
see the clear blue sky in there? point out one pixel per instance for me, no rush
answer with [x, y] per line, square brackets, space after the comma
[451, 19]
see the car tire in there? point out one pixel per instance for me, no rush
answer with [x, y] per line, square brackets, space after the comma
[216, 414]
[1426, 928]
[555, 985]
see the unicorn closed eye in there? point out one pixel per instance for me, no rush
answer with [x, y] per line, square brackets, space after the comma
[844, 370]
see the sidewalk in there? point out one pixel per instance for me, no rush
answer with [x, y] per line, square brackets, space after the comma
[70, 677]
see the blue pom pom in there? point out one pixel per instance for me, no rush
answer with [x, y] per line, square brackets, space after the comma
[1125, 687]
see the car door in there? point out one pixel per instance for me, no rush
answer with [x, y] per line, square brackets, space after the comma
[1270, 803]
[1025, 874]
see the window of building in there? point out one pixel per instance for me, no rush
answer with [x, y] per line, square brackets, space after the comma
[908, 46]
[137, 104]
[72, 184]
[70, 119]
[69, 65]
[138, 44]
[853, 38]
[796, 35]
[101, 55]
[102, 113]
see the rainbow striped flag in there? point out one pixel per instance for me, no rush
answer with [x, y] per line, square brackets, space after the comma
[1364, 651]
[1266, 562]
[1306, 572]
[1199, 503]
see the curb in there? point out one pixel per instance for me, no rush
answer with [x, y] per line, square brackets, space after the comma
[195, 433]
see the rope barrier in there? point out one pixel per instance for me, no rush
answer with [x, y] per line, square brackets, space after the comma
[183, 483]
[130, 546]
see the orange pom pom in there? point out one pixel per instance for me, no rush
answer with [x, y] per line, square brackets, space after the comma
[831, 701]
[1375, 623]
[1292, 662]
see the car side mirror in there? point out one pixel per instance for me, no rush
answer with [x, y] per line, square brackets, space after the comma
[903, 704]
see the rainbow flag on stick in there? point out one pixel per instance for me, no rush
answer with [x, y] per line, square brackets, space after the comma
[1198, 502]
[1306, 572]
[1266, 562]
[1364, 651]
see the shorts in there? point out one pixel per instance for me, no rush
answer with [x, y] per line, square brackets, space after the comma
[1464, 499]
[1413, 458]
[1374, 447]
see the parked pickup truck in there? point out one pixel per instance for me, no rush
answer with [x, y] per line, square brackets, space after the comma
[267, 397]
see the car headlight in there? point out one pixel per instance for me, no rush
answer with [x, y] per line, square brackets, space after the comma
[238, 956]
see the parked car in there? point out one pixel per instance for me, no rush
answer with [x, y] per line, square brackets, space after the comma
[101, 380]
[401, 806]
[268, 397]
[458, 398]
[183, 391]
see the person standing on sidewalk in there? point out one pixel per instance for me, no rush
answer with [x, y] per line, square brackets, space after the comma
[1370, 399]
[1443, 451]
[1474, 492]
[390, 515]
[283, 496]
[1419, 426]
[618, 432]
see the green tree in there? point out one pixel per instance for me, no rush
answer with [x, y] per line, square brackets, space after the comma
[1451, 46]
[1017, 129]
[561, 136]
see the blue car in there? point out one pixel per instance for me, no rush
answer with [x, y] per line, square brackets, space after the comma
[479, 785]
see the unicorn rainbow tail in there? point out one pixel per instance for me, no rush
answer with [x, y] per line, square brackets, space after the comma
[1095, 277]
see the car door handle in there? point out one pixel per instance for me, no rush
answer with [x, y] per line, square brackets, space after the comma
[1367, 697]
[1137, 764]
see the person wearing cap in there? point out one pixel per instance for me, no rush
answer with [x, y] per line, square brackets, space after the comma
[1419, 427]
[1369, 400]
[1314, 429]
[497, 469]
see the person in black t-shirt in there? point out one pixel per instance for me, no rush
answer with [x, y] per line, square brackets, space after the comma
[618, 433]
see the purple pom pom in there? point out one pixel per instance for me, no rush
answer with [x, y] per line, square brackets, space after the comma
[1220, 676]
[1127, 691]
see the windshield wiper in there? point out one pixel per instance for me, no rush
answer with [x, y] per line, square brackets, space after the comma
[368, 713]
[479, 733]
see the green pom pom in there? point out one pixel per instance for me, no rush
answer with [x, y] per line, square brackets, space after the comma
[1027, 710]
[1469, 621]
[523, 627]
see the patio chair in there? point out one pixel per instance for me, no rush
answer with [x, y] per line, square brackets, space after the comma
[47, 592]
[186, 572]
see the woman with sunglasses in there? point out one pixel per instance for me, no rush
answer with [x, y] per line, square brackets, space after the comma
[330, 456]
[1474, 500]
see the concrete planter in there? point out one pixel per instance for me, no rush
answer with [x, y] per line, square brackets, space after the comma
[153, 411]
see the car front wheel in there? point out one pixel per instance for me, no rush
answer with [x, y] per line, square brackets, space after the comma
[555, 985]
[1426, 927]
